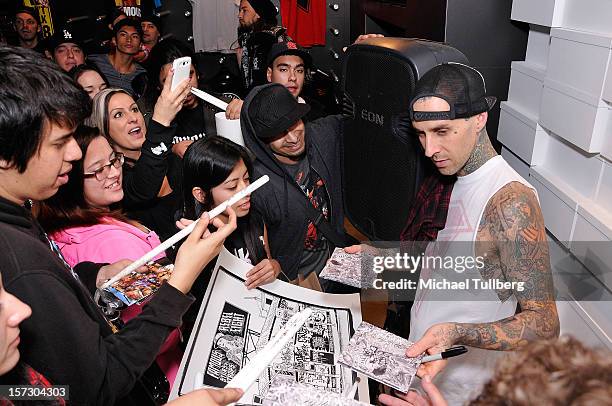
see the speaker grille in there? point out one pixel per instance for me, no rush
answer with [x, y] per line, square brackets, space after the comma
[382, 157]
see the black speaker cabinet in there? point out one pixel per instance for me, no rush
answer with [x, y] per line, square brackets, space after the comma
[383, 162]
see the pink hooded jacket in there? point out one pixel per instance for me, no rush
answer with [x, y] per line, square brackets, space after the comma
[110, 242]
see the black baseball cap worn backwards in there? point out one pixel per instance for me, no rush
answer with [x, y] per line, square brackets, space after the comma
[461, 86]
[274, 110]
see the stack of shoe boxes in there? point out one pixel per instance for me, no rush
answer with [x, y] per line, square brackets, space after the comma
[556, 131]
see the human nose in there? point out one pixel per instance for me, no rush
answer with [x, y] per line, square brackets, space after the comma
[20, 311]
[133, 116]
[114, 171]
[292, 75]
[73, 152]
[430, 145]
[291, 137]
[242, 184]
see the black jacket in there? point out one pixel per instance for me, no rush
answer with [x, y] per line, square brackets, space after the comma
[143, 180]
[255, 49]
[284, 215]
[67, 339]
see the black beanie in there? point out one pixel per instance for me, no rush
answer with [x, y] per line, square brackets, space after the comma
[266, 10]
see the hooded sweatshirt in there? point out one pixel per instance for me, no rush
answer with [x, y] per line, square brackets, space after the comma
[106, 242]
[67, 338]
[112, 241]
[284, 215]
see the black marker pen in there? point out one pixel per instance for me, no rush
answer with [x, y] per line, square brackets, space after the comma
[451, 352]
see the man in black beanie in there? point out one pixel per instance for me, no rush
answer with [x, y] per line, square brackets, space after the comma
[257, 32]
[302, 203]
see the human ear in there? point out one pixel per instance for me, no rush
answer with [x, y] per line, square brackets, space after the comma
[4, 164]
[269, 74]
[481, 120]
[199, 194]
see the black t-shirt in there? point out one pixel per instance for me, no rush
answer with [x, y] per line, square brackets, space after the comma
[236, 244]
[317, 248]
[189, 124]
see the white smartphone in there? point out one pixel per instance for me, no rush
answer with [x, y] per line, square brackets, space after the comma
[181, 67]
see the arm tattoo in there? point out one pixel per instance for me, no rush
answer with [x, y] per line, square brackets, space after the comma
[514, 227]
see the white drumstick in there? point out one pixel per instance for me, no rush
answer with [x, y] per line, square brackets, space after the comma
[186, 231]
[209, 98]
[249, 374]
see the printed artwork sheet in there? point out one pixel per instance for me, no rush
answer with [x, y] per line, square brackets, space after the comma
[381, 356]
[235, 323]
[137, 286]
[285, 392]
[349, 269]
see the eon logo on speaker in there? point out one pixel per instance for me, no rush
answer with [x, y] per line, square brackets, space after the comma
[372, 117]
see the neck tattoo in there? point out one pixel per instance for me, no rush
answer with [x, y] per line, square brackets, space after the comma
[483, 151]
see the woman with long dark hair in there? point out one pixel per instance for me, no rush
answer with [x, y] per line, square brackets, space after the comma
[90, 78]
[214, 169]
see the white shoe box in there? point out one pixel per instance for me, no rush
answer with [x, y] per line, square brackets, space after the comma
[572, 166]
[588, 321]
[548, 13]
[558, 207]
[565, 112]
[592, 241]
[526, 85]
[606, 149]
[576, 322]
[515, 162]
[521, 134]
[607, 92]
[588, 15]
[604, 192]
[538, 46]
[579, 60]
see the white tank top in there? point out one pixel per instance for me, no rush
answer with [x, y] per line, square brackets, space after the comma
[464, 376]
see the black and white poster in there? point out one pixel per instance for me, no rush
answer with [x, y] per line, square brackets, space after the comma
[235, 323]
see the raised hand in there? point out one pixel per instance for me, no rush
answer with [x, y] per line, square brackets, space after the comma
[170, 102]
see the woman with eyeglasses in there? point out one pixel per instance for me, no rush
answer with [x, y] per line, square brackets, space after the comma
[85, 223]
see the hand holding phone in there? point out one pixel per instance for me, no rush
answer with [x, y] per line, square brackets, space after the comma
[181, 68]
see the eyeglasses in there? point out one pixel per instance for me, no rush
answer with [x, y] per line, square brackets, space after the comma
[102, 172]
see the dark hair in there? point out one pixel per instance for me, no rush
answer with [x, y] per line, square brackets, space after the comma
[112, 15]
[35, 93]
[76, 72]
[206, 164]
[127, 22]
[68, 208]
[162, 54]
[153, 19]
[28, 10]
